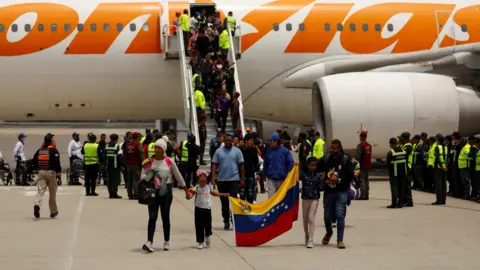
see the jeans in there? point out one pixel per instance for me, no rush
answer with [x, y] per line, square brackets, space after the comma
[273, 186]
[203, 223]
[163, 204]
[230, 187]
[249, 189]
[335, 206]
[133, 173]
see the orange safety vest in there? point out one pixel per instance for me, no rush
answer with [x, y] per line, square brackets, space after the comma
[44, 158]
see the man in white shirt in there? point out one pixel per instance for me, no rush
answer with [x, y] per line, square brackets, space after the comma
[74, 152]
[19, 157]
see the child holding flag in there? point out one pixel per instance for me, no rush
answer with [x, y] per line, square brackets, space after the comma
[311, 185]
[203, 192]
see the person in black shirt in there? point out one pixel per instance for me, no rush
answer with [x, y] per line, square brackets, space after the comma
[202, 44]
[337, 170]
[112, 164]
[250, 157]
[397, 169]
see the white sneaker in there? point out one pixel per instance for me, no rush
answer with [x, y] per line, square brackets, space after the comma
[207, 241]
[166, 245]
[310, 245]
[148, 247]
[200, 245]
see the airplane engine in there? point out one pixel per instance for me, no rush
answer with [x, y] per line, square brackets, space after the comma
[387, 104]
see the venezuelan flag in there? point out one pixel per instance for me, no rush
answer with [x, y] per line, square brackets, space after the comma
[256, 224]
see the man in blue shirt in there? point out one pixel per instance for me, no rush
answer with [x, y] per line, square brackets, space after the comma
[229, 161]
[277, 164]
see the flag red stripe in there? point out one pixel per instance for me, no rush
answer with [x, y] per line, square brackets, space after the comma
[283, 224]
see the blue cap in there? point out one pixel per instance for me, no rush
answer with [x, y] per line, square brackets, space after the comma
[74, 134]
[275, 137]
[21, 135]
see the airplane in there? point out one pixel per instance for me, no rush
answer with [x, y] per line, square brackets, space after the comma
[342, 66]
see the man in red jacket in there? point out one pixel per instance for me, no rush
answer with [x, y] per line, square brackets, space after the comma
[134, 156]
[364, 156]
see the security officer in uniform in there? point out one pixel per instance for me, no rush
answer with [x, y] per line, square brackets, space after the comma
[397, 168]
[408, 148]
[417, 163]
[477, 166]
[92, 156]
[463, 166]
[455, 152]
[472, 168]
[448, 164]
[112, 158]
[230, 22]
[189, 153]
[436, 162]
[428, 174]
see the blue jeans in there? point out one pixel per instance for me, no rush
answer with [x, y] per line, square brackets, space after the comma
[335, 207]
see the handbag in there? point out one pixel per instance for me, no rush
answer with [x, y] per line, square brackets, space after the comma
[147, 194]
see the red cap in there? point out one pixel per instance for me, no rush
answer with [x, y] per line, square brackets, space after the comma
[135, 135]
[363, 133]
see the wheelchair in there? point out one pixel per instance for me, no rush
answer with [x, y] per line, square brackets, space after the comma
[6, 175]
[75, 172]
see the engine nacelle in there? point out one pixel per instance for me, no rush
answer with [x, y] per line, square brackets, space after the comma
[387, 104]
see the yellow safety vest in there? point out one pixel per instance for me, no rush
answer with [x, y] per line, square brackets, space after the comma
[318, 148]
[200, 99]
[185, 23]
[91, 154]
[112, 152]
[151, 150]
[398, 158]
[477, 162]
[172, 156]
[431, 155]
[463, 158]
[223, 40]
[410, 157]
[231, 23]
[194, 78]
[184, 152]
[142, 139]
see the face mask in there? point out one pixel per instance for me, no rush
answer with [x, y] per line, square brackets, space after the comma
[219, 66]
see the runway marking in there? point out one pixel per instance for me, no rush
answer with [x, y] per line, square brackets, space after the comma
[73, 243]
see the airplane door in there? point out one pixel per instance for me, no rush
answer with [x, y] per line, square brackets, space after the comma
[445, 26]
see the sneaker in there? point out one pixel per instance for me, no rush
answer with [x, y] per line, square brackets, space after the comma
[341, 245]
[166, 245]
[200, 245]
[54, 215]
[36, 211]
[326, 239]
[226, 226]
[148, 247]
[310, 244]
[207, 241]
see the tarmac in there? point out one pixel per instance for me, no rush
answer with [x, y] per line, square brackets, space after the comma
[93, 233]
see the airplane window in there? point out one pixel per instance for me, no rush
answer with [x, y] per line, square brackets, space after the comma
[378, 27]
[340, 27]
[464, 28]
[390, 27]
[289, 27]
[119, 27]
[40, 28]
[441, 26]
[365, 27]
[353, 27]
[301, 27]
[80, 27]
[66, 27]
[14, 27]
[275, 27]
[145, 27]
[327, 27]
[28, 27]
[106, 27]
[2, 27]
[133, 27]
[53, 27]
[93, 27]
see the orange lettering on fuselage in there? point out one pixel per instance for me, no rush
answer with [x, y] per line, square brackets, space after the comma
[113, 14]
[419, 33]
[35, 41]
[468, 16]
[315, 38]
[264, 17]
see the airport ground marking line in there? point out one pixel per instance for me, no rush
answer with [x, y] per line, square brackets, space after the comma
[76, 225]
[221, 239]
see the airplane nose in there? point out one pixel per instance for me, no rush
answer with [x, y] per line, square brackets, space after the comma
[305, 77]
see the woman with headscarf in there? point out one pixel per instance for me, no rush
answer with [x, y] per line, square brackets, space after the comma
[160, 169]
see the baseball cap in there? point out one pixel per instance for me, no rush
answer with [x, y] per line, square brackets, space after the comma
[74, 134]
[275, 137]
[21, 135]
[393, 141]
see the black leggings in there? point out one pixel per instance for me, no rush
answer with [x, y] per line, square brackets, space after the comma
[203, 223]
[91, 175]
[163, 202]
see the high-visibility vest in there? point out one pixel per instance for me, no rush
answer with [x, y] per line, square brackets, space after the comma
[318, 148]
[441, 157]
[194, 78]
[151, 150]
[112, 154]
[43, 159]
[414, 154]
[200, 100]
[463, 158]
[398, 159]
[431, 155]
[477, 162]
[223, 40]
[410, 156]
[184, 151]
[185, 23]
[91, 155]
[143, 139]
[172, 153]
[231, 23]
